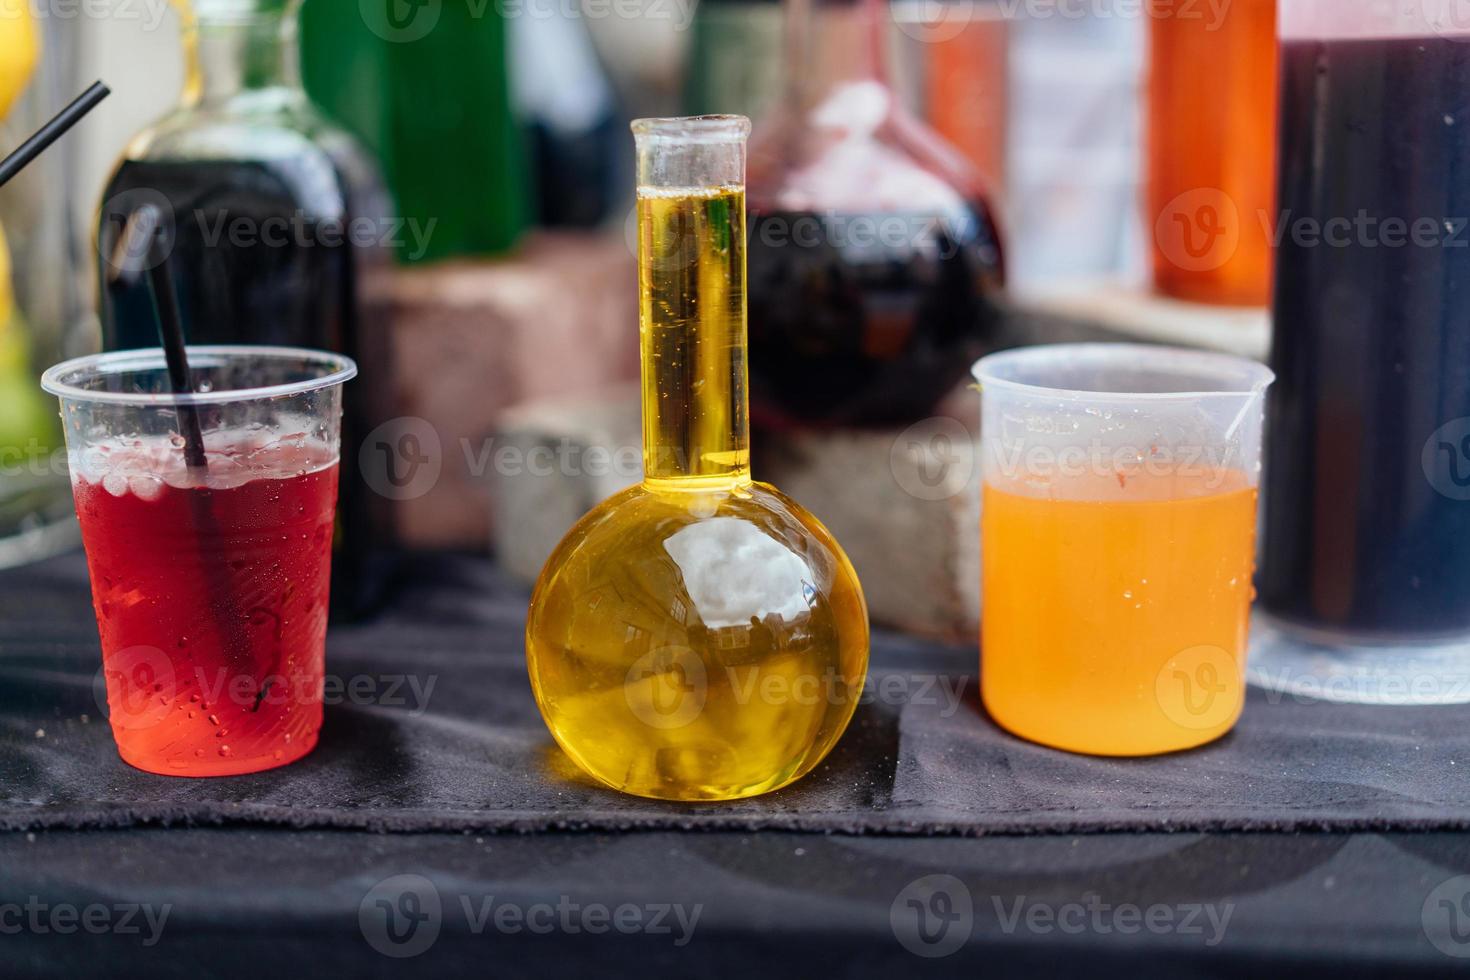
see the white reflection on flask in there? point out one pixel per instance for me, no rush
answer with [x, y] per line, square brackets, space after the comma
[733, 572]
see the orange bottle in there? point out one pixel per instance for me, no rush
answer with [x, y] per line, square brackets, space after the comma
[967, 93]
[1212, 139]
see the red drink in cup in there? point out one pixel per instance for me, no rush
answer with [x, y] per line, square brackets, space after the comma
[209, 585]
[228, 580]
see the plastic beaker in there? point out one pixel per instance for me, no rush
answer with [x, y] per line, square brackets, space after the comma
[1118, 533]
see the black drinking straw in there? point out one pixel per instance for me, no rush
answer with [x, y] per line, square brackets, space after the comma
[143, 249]
[140, 248]
[51, 132]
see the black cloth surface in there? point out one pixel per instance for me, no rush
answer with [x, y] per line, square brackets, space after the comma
[470, 753]
[260, 902]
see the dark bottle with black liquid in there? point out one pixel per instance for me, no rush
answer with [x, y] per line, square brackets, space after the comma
[278, 233]
[574, 124]
[1372, 339]
[876, 266]
[1364, 576]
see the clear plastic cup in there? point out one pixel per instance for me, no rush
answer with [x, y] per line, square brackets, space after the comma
[209, 584]
[1118, 533]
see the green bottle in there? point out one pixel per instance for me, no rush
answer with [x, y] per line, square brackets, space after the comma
[426, 84]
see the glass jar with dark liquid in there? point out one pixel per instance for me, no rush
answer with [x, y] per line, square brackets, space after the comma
[278, 233]
[876, 268]
[1365, 574]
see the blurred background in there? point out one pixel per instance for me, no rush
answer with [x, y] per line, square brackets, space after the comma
[450, 202]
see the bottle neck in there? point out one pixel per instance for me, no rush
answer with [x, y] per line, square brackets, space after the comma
[228, 56]
[831, 43]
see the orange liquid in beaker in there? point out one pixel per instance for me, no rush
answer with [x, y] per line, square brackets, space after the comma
[1114, 622]
[1212, 152]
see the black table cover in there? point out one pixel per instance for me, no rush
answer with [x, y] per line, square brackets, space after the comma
[433, 728]
[925, 809]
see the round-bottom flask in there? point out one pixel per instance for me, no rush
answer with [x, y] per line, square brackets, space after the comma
[699, 636]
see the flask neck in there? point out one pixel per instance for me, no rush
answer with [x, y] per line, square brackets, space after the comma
[692, 310]
[234, 49]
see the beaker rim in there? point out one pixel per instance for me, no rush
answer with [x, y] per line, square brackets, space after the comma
[717, 128]
[1228, 375]
[62, 380]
